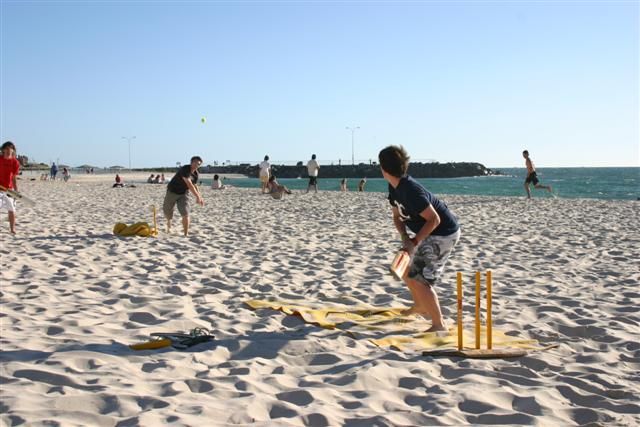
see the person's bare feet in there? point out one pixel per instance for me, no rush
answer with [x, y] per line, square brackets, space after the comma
[410, 311]
[436, 328]
[417, 311]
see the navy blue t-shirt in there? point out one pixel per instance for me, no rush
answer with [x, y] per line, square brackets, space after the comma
[177, 184]
[411, 199]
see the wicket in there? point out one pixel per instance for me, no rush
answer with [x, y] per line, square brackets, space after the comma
[489, 325]
[155, 221]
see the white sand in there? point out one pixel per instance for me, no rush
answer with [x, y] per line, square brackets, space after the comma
[74, 296]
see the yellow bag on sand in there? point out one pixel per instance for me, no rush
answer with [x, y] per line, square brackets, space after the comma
[141, 229]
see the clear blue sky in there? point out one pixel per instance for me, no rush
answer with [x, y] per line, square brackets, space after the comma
[451, 81]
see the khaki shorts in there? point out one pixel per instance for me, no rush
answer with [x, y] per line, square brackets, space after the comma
[430, 257]
[172, 199]
[264, 179]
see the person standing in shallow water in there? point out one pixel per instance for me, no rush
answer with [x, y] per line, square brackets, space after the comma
[434, 228]
[532, 177]
[183, 182]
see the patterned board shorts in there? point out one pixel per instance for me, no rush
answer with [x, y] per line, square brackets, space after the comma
[431, 256]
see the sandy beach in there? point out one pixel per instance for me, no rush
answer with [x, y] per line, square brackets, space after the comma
[74, 296]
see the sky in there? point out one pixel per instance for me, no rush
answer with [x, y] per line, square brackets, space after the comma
[450, 81]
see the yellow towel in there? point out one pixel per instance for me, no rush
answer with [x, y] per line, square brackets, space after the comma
[138, 229]
[386, 327]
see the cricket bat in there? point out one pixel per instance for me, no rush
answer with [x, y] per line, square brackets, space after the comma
[400, 264]
[18, 196]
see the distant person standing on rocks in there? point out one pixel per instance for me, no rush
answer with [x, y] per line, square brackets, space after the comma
[343, 185]
[183, 182]
[361, 184]
[265, 172]
[532, 177]
[313, 168]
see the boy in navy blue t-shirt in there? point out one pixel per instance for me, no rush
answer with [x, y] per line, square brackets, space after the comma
[435, 233]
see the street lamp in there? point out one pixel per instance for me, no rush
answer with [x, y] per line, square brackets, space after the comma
[353, 131]
[129, 138]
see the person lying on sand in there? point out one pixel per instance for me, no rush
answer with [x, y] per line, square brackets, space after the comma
[276, 190]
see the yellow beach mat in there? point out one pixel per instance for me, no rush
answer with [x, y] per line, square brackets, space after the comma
[386, 327]
[142, 229]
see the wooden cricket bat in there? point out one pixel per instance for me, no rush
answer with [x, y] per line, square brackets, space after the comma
[18, 196]
[400, 264]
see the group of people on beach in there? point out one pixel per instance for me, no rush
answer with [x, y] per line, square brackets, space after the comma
[428, 229]
[270, 185]
[53, 174]
[157, 179]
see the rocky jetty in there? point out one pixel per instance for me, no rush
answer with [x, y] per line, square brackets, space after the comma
[417, 170]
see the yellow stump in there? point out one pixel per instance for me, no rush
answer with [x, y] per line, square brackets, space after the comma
[460, 343]
[477, 310]
[155, 222]
[489, 325]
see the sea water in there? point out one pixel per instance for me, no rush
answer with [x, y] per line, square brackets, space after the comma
[596, 183]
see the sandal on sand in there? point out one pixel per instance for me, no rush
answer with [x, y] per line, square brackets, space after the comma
[177, 340]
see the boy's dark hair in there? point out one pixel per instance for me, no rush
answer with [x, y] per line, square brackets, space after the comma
[198, 158]
[313, 157]
[272, 178]
[266, 157]
[9, 144]
[394, 160]
[525, 152]
[215, 177]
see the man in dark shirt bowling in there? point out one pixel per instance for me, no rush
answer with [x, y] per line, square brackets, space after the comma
[183, 182]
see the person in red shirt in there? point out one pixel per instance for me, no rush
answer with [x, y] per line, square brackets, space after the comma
[9, 169]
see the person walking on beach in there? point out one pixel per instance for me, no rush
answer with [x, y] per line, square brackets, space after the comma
[435, 233]
[532, 177]
[265, 172]
[9, 170]
[343, 185]
[178, 190]
[313, 168]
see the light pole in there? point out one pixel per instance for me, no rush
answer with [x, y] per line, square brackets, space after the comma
[353, 131]
[129, 138]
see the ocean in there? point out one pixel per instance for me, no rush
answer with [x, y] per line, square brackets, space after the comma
[595, 183]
